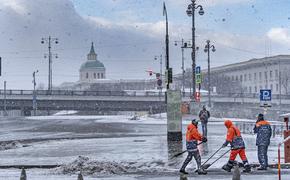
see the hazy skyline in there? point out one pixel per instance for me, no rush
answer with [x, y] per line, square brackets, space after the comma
[129, 33]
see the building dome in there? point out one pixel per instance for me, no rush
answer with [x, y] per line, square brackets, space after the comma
[92, 65]
[92, 70]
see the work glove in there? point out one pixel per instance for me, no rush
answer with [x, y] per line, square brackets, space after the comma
[204, 139]
[225, 144]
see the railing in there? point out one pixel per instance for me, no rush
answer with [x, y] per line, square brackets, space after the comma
[279, 156]
[83, 93]
[145, 93]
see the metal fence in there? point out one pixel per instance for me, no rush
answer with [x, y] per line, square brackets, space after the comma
[83, 93]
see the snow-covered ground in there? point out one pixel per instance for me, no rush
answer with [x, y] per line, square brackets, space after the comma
[136, 149]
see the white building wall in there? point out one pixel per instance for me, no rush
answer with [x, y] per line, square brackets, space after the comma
[261, 77]
[93, 75]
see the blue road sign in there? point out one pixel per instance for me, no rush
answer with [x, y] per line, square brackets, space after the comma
[197, 70]
[265, 95]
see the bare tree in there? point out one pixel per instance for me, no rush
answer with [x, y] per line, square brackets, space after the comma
[285, 80]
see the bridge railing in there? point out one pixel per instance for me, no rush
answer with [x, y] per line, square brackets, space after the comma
[83, 93]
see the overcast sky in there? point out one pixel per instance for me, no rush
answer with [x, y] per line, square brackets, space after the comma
[129, 33]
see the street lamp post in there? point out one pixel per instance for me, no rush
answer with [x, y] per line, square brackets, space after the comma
[49, 40]
[191, 12]
[34, 103]
[167, 46]
[183, 45]
[207, 49]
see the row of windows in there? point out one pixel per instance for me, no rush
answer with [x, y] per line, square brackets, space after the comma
[248, 77]
[100, 75]
[255, 89]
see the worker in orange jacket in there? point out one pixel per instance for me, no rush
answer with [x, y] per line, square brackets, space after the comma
[192, 138]
[236, 141]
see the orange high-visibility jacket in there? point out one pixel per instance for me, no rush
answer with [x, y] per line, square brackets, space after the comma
[192, 133]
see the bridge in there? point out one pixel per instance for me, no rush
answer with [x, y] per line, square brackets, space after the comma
[104, 101]
[99, 101]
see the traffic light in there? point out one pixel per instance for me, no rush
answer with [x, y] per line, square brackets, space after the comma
[150, 72]
[170, 75]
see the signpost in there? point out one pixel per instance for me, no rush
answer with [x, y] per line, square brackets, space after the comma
[265, 99]
[198, 83]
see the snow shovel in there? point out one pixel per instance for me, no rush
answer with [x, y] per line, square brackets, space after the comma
[211, 156]
[178, 154]
[206, 166]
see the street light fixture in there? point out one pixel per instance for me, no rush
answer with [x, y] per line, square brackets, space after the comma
[191, 12]
[207, 49]
[49, 40]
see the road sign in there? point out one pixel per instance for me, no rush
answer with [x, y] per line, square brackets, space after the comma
[197, 70]
[198, 78]
[265, 95]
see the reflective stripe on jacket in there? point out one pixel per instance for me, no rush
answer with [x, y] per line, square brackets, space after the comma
[234, 136]
[264, 133]
[192, 137]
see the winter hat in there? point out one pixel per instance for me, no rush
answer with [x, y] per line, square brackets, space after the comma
[260, 117]
[228, 123]
[194, 122]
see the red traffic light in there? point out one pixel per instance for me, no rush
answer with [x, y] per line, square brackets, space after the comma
[150, 72]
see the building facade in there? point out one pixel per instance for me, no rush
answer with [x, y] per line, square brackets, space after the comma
[253, 75]
[92, 70]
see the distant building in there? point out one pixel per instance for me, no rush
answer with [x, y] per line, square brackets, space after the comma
[92, 70]
[92, 76]
[253, 75]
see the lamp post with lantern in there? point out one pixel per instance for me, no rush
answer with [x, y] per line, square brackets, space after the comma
[191, 12]
[208, 47]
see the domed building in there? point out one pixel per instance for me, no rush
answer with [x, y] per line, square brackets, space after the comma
[92, 70]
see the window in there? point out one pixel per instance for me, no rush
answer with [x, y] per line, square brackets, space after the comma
[233, 78]
[271, 75]
[266, 86]
[256, 90]
[260, 76]
[95, 76]
[87, 75]
[245, 77]
[277, 87]
[250, 89]
[102, 75]
[271, 86]
[266, 73]
[98, 75]
[276, 74]
[237, 78]
[250, 77]
[255, 76]
[241, 78]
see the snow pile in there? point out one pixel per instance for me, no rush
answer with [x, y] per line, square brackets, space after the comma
[63, 113]
[89, 167]
[9, 145]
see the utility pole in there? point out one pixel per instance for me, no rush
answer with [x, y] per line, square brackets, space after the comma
[207, 49]
[49, 40]
[34, 103]
[191, 12]
[5, 102]
[183, 45]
